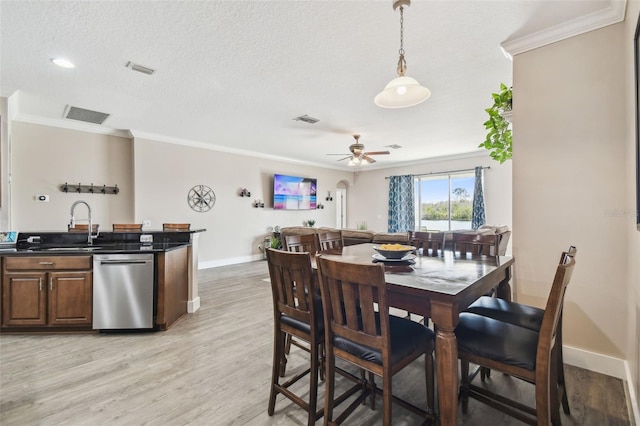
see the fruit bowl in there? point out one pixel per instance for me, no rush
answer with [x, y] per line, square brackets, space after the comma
[394, 251]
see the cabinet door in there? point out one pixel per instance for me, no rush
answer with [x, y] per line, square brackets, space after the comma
[70, 298]
[173, 286]
[24, 299]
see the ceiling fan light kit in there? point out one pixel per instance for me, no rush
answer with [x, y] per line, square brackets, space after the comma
[403, 91]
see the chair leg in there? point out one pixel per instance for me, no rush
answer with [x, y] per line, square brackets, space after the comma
[386, 398]
[464, 388]
[428, 368]
[372, 385]
[329, 390]
[287, 347]
[313, 383]
[278, 346]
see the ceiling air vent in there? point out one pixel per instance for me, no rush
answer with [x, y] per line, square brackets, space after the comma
[86, 115]
[140, 68]
[394, 146]
[307, 119]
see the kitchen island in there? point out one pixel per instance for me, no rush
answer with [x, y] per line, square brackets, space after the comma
[48, 278]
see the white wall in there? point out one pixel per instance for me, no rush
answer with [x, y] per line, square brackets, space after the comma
[165, 172]
[569, 177]
[44, 157]
[633, 246]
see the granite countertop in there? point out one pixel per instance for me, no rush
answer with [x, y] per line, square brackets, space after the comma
[47, 243]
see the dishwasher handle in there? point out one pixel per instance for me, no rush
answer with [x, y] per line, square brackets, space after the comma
[125, 262]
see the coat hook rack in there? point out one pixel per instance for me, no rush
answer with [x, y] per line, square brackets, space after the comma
[244, 192]
[329, 197]
[88, 189]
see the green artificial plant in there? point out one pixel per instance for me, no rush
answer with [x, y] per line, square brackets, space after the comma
[499, 138]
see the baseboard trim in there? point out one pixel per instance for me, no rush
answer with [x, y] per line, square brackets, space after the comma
[193, 305]
[632, 398]
[605, 364]
[229, 261]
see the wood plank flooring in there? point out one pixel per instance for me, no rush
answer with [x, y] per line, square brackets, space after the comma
[213, 368]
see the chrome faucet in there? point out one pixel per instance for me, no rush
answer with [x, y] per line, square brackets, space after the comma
[72, 223]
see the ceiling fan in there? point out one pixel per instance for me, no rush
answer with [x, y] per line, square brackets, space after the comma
[358, 156]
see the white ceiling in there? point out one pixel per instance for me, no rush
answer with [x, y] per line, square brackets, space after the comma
[234, 74]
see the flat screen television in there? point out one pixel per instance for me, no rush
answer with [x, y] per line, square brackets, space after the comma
[294, 193]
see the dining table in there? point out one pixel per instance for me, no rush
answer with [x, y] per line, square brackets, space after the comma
[439, 288]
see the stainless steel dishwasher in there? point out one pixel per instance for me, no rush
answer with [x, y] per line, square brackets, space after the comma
[122, 291]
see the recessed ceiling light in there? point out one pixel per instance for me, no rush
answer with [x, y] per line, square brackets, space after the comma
[61, 62]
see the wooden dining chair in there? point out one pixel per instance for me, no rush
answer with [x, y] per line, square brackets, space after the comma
[520, 352]
[125, 227]
[475, 244]
[330, 241]
[526, 316]
[431, 243]
[176, 226]
[372, 340]
[297, 311]
[302, 243]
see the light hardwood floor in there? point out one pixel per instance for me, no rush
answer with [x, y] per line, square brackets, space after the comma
[213, 368]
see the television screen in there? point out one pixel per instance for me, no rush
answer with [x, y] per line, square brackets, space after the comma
[294, 193]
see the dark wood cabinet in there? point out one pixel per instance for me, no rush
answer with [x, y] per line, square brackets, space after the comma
[47, 291]
[173, 286]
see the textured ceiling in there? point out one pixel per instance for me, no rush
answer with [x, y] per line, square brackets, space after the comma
[234, 74]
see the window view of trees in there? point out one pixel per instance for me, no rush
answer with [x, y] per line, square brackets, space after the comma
[444, 203]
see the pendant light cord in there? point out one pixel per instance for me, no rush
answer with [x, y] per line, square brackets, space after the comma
[402, 64]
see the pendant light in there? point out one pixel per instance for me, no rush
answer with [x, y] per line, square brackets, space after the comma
[403, 91]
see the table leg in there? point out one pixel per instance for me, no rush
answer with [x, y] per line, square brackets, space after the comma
[504, 288]
[446, 363]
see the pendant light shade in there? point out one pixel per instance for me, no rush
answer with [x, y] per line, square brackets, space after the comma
[403, 91]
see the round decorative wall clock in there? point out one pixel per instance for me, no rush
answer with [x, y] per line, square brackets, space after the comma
[201, 198]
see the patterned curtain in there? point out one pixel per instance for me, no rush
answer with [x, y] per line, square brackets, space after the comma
[477, 216]
[401, 204]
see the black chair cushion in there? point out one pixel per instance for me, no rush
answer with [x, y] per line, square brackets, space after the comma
[406, 337]
[302, 325]
[497, 340]
[514, 313]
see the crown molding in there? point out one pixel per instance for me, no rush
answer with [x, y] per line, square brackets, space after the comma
[593, 21]
[71, 125]
[212, 147]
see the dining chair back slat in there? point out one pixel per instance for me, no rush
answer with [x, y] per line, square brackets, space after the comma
[475, 244]
[301, 243]
[330, 241]
[431, 243]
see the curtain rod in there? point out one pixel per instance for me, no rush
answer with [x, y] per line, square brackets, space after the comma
[445, 173]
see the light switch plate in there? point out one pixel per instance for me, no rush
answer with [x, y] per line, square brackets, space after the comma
[146, 223]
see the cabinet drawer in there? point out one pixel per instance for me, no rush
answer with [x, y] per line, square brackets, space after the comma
[37, 263]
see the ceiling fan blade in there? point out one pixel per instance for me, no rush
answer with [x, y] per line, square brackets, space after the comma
[377, 153]
[369, 159]
[348, 156]
[338, 154]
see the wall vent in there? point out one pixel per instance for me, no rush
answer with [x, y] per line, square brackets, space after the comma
[307, 119]
[140, 68]
[86, 115]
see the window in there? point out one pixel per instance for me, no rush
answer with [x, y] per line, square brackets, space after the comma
[444, 202]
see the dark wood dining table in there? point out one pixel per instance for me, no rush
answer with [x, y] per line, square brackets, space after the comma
[439, 288]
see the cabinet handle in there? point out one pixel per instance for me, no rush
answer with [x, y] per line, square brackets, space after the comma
[46, 263]
[40, 283]
[50, 284]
